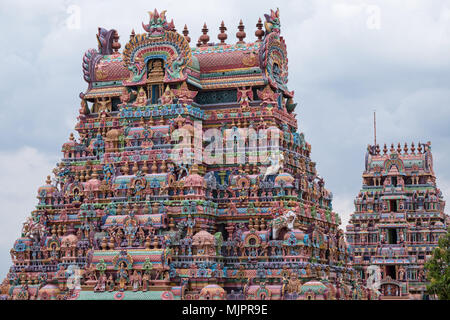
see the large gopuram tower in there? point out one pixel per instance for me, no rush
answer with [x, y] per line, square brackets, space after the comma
[399, 216]
[131, 214]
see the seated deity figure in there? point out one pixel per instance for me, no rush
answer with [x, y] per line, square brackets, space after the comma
[141, 99]
[276, 164]
[167, 97]
[101, 282]
[110, 283]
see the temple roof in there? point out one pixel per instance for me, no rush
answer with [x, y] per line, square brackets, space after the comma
[399, 161]
[208, 66]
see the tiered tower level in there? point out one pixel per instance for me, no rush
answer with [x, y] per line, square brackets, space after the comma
[122, 218]
[399, 216]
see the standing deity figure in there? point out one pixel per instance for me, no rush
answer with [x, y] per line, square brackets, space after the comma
[101, 283]
[104, 106]
[383, 237]
[123, 277]
[421, 275]
[401, 274]
[401, 236]
[141, 235]
[400, 182]
[145, 281]
[119, 237]
[190, 224]
[125, 97]
[244, 96]
[135, 280]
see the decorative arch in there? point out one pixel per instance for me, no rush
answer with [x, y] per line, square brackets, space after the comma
[391, 288]
[123, 257]
[274, 62]
[243, 183]
[139, 183]
[262, 293]
[171, 47]
[394, 162]
[53, 243]
[252, 236]
[310, 296]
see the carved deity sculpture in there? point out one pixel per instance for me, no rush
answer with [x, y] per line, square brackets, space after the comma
[125, 97]
[110, 283]
[244, 96]
[167, 97]
[294, 284]
[135, 280]
[276, 163]
[141, 99]
[145, 281]
[123, 277]
[101, 282]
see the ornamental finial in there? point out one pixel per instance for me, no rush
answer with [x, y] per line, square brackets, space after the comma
[222, 35]
[241, 33]
[172, 26]
[186, 33]
[259, 33]
[204, 38]
[115, 44]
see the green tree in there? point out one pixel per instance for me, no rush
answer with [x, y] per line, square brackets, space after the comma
[438, 271]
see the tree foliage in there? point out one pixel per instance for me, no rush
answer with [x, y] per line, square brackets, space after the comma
[438, 271]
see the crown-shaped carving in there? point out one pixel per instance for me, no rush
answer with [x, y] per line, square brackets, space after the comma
[272, 23]
[158, 24]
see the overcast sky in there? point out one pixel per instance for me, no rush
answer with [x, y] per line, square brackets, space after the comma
[346, 58]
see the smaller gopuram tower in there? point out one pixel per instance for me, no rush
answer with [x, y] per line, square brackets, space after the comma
[398, 219]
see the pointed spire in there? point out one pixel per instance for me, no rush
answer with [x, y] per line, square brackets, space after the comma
[405, 148]
[385, 149]
[241, 33]
[132, 35]
[375, 128]
[186, 33]
[259, 33]
[116, 44]
[413, 148]
[172, 26]
[222, 35]
[204, 38]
